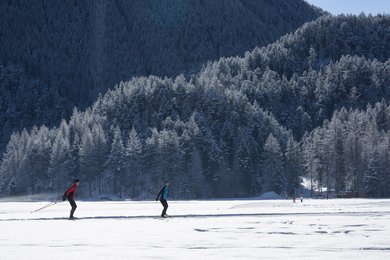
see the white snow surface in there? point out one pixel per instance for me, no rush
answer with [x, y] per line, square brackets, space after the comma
[214, 229]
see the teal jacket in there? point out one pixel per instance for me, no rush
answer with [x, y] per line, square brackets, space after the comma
[163, 194]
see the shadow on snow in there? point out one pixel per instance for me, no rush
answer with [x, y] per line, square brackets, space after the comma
[370, 213]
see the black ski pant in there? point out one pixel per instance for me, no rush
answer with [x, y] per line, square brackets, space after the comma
[74, 206]
[165, 205]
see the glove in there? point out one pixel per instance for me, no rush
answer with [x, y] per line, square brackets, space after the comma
[64, 197]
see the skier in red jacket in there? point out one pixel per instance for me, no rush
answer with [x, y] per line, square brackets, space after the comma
[69, 194]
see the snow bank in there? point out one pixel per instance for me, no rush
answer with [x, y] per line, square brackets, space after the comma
[271, 195]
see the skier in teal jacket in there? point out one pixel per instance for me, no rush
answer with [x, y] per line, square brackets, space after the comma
[162, 196]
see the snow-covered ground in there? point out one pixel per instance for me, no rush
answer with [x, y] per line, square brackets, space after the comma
[227, 229]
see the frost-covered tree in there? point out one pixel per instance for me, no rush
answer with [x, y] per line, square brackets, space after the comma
[134, 162]
[115, 163]
[60, 167]
[272, 166]
[293, 167]
[371, 175]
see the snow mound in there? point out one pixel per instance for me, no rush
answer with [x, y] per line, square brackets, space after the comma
[271, 195]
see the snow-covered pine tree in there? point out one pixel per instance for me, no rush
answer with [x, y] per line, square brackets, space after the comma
[133, 162]
[371, 179]
[60, 167]
[272, 166]
[293, 167]
[115, 163]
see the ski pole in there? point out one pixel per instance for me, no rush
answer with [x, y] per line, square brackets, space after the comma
[46, 206]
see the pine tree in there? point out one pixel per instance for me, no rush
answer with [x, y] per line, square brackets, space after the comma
[115, 163]
[293, 166]
[60, 167]
[371, 175]
[87, 160]
[101, 150]
[336, 141]
[134, 156]
[272, 166]
[12, 188]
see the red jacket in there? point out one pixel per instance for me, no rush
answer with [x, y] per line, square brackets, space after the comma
[71, 191]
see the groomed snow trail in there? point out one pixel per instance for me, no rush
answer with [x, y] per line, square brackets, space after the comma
[225, 229]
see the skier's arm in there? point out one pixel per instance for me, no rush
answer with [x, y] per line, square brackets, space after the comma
[159, 194]
[66, 193]
[71, 189]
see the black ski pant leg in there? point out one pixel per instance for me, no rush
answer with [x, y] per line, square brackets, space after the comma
[165, 205]
[74, 206]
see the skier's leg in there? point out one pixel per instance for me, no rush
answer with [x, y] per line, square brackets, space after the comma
[165, 204]
[162, 203]
[74, 206]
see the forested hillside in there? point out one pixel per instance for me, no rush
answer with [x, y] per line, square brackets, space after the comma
[314, 104]
[351, 152]
[304, 77]
[55, 55]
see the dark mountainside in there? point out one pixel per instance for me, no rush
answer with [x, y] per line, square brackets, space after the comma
[55, 55]
[313, 104]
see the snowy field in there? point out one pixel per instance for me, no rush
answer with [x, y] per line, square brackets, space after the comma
[228, 229]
